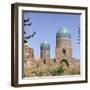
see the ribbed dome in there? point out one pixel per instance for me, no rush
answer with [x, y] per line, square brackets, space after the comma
[63, 33]
[45, 45]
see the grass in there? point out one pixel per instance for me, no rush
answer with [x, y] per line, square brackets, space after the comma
[45, 70]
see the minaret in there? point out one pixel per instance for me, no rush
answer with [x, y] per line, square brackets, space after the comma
[63, 45]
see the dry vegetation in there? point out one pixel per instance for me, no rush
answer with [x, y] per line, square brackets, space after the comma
[53, 70]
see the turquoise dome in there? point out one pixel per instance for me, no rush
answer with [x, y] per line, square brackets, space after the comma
[45, 45]
[63, 33]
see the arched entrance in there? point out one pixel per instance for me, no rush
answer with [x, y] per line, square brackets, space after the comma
[64, 63]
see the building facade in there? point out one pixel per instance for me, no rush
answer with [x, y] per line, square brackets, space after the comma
[28, 55]
[63, 46]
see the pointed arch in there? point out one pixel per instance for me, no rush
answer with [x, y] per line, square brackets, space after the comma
[65, 61]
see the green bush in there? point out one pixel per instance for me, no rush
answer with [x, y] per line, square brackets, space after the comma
[60, 69]
[56, 70]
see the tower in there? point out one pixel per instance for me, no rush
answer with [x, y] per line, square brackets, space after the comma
[28, 52]
[63, 46]
[45, 50]
[28, 55]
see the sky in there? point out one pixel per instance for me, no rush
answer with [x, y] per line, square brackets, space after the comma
[46, 26]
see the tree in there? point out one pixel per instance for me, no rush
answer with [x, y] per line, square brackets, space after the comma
[28, 23]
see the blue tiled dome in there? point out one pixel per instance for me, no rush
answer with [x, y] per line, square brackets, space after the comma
[45, 45]
[63, 33]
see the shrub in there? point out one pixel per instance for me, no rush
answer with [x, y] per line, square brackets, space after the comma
[60, 69]
[56, 70]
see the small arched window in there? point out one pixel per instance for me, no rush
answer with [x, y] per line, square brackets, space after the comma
[54, 60]
[32, 55]
[64, 51]
[44, 61]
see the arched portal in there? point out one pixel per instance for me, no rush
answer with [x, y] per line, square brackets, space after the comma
[64, 62]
